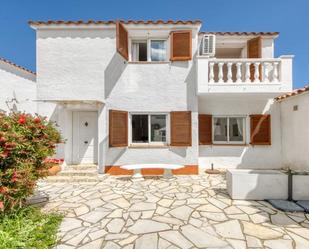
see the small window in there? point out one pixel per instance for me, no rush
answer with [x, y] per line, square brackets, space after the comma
[228, 129]
[158, 50]
[148, 50]
[139, 51]
[148, 128]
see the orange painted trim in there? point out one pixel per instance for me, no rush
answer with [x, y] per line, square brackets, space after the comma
[187, 170]
[116, 170]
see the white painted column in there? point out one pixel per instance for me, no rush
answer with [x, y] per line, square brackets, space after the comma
[229, 72]
[220, 74]
[256, 72]
[266, 72]
[275, 72]
[211, 72]
[247, 73]
[102, 138]
[238, 73]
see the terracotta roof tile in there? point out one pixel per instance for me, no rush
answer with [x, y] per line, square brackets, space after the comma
[294, 93]
[241, 33]
[92, 22]
[17, 66]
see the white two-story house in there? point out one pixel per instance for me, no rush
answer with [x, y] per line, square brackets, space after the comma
[131, 92]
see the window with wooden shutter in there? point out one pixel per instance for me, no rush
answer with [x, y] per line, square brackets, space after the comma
[181, 45]
[205, 129]
[118, 128]
[122, 40]
[260, 129]
[181, 134]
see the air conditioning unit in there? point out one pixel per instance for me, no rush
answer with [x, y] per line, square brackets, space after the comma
[209, 45]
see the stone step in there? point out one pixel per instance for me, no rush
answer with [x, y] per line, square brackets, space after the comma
[78, 172]
[61, 178]
[82, 167]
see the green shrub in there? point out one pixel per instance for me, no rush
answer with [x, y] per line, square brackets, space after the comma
[25, 142]
[28, 228]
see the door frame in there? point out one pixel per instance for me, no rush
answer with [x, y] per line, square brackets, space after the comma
[75, 160]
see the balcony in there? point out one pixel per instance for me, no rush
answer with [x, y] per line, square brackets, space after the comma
[244, 75]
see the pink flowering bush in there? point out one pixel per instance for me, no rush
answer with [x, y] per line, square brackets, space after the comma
[25, 143]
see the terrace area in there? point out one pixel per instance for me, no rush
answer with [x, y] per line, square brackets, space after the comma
[184, 212]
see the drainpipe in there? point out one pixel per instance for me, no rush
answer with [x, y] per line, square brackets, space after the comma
[290, 185]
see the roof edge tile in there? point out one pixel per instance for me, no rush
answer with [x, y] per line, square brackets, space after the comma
[293, 93]
[17, 66]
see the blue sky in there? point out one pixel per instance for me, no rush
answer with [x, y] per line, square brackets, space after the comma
[289, 17]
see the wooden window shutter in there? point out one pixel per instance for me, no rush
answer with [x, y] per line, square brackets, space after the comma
[181, 45]
[260, 129]
[181, 134]
[254, 50]
[118, 128]
[205, 129]
[122, 40]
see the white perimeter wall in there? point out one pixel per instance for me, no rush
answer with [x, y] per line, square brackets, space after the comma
[19, 83]
[242, 157]
[295, 132]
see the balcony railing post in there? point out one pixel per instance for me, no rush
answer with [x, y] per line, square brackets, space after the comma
[257, 72]
[220, 75]
[238, 73]
[266, 72]
[229, 72]
[247, 72]
[211, 72]
[275, 72]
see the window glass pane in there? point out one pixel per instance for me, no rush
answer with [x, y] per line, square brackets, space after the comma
[220, 129]
[140, 129]
[158, 50]
[236, 129]
[158, 128]
[139, 51]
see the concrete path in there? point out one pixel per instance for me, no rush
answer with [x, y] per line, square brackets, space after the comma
[185, 212]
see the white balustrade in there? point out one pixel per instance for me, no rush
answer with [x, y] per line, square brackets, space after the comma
[229, 72]
[244, 70]
[256, 72]
[211, 72]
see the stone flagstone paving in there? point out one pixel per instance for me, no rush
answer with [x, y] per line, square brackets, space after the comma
[185, 212]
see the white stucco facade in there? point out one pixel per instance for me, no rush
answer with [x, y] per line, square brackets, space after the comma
[295, 132]
[76, 65]
[18, 88]
[79, 70]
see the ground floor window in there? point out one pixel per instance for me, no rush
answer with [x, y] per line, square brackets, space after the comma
[148, 128]
[228, 129]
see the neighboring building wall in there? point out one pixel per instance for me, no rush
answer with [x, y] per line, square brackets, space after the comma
[19, 84]
[248, 156]
[295, 132]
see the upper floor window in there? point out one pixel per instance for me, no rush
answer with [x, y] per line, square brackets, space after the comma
[149, 50]
[158, 50]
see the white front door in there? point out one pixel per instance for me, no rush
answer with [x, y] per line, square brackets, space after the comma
[85, 137]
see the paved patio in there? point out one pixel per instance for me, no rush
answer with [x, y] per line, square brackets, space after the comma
[186, 212]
